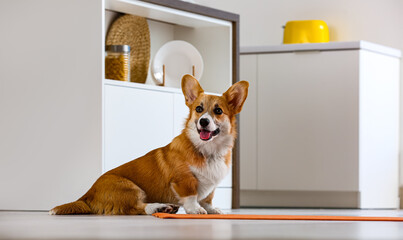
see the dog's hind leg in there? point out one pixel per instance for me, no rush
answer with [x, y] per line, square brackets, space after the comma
[116, 195]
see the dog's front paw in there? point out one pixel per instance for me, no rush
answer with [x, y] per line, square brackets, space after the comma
[210, 209]
[196, 210]
[214, 211]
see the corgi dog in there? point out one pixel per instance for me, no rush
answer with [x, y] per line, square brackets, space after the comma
[183, 173]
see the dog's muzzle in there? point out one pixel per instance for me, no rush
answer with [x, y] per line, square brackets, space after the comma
[206, 135]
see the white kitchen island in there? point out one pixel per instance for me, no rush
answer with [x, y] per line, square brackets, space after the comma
[321, 125]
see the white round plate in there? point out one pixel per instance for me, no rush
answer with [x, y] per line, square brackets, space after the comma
[178, 58]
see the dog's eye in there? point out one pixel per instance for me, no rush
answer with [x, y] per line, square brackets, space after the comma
[218, 111]
[199, 109]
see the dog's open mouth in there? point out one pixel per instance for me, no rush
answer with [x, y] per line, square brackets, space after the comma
[206, 135]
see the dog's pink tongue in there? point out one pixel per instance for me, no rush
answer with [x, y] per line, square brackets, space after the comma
[205, 134]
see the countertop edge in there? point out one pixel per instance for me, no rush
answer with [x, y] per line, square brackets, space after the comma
[330, 46]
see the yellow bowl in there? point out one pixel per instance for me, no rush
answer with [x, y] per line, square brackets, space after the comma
[307, 31]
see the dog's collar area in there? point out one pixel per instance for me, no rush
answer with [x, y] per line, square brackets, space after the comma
[206, 135]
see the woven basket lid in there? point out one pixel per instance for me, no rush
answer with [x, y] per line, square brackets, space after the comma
[133, 30]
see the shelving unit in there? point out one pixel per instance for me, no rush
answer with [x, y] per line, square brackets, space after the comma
[166, 24]
[122, 140]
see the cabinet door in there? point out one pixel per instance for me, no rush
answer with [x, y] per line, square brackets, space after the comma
[248, 125]
[181, 113]
[308, 121]
[136, 122]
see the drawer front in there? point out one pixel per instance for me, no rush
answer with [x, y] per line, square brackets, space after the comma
[136, 122]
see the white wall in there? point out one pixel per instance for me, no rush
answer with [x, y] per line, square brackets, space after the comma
[50, 101]
[378, 21]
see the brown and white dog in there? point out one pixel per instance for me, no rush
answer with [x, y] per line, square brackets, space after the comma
[185, 172]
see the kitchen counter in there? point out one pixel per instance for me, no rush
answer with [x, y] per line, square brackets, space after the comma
[330, 46]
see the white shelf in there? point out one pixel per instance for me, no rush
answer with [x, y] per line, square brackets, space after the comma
[147, 87]
[165, 14]
[141, 86]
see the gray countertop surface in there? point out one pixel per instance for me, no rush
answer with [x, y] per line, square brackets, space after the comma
[330, 46]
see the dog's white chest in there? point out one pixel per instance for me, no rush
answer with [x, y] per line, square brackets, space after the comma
[210, 176]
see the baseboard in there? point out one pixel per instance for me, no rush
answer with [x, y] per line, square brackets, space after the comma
[315, 199]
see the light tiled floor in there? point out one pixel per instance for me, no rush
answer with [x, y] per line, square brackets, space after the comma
[39, 225]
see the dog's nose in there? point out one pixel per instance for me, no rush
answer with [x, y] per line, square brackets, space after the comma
[204, 122]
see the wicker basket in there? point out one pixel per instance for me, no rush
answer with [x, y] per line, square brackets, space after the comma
[133, 30]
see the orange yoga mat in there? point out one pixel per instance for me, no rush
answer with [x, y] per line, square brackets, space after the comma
[276, 217]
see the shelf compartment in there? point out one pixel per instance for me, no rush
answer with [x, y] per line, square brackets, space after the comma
[213, 39]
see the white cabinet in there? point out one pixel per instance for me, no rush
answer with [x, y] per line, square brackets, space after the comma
[163, 109]
[181, 113]
[327, 126]
[62, 124]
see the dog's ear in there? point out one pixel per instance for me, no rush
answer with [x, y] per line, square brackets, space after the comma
[191, 89]
[236, 96]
